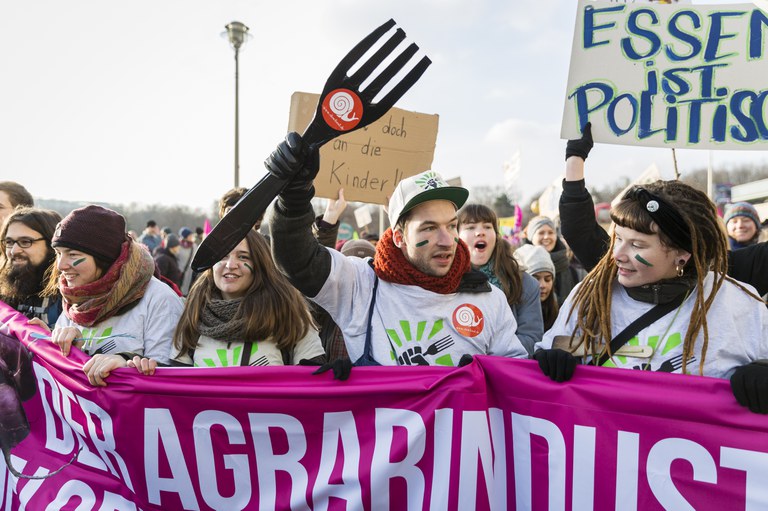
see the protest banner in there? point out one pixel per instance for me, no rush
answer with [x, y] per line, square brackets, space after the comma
[496, 434]
[368, 163]
[688, 76]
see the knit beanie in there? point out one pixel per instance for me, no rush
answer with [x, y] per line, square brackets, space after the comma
[742, 209]
[94, 230]
[171, 241]
[184, 232]
[537, 223]
[358, 248]
[534, 259]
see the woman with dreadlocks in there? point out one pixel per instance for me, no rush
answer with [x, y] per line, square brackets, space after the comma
[660, 299]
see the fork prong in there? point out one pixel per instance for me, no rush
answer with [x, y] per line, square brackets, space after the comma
[377, 58]
[406, 83]
[359, 50]
[390, 71]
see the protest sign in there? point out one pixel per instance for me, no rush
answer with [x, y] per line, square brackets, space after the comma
[496, 434]
[688, 76]
[368, 163]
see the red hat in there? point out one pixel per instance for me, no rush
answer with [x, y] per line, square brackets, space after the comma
[94, 230]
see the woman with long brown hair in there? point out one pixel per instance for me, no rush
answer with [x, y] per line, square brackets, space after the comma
[490, 254]
[243, 311]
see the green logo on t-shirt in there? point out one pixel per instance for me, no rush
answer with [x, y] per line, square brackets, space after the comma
[410, 347]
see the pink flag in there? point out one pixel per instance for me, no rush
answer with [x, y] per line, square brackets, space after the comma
[207, 227]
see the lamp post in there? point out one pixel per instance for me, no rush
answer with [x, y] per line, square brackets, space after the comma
[237, 33]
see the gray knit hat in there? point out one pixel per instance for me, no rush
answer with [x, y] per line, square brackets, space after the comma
[744, 209]
[534, 259]
[358, 248]
[537, 223]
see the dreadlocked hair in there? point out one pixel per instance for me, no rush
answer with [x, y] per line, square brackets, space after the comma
[271, 305]
[505, 265]
[709, 252]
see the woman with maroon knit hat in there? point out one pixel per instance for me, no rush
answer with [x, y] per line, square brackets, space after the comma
[114, 308]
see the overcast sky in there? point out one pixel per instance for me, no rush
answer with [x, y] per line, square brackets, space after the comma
[134, 101]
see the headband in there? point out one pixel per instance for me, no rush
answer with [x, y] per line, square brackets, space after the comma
[665, 215]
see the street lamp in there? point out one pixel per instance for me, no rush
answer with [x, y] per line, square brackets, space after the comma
[237, 33]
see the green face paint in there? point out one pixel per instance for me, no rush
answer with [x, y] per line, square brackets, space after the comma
[249, 267]
[639, 258]
[422, 243]
[82, 260]
[456, 240]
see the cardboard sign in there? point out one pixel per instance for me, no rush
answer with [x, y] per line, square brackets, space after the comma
[368, 163]
[688, 76]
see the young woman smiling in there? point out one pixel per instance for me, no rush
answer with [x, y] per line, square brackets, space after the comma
[243, 311]
[668, 252]
[114, 307]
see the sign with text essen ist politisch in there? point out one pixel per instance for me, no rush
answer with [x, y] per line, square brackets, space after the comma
[681, 75]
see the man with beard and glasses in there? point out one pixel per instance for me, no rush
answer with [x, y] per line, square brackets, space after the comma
[26, 242]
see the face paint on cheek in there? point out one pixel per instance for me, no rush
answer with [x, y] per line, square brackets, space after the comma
[249, 267]
[422, 243]
[455, 240]
[639, 258]
[81, 260]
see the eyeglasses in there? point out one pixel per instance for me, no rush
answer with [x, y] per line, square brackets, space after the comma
[8, 243]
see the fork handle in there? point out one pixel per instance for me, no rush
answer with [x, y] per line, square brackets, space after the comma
[236, 224]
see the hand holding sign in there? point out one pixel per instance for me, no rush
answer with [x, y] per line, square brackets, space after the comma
[581, 146]
[343, 107]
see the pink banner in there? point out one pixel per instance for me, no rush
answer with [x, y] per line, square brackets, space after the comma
[496, 434]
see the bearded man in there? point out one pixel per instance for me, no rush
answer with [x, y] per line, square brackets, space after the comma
[26, 242]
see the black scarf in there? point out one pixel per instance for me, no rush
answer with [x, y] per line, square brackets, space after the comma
[663, 291]
[216, 320]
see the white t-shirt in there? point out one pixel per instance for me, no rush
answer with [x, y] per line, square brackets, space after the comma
[214, 353]
[737, 324]
[146, 329]
[414, 326]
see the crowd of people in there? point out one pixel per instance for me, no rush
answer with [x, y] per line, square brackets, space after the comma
[670, 287]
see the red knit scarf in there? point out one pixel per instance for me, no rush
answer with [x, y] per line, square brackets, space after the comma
[124, 282]
[390, 264]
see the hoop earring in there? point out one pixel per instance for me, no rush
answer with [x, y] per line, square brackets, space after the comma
[680, 268]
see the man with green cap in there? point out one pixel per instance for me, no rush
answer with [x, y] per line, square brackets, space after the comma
[417, 302]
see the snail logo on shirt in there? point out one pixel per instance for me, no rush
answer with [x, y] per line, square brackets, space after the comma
[468, 320]
[342, 109]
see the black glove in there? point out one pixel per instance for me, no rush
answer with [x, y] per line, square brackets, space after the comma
[557, 364]
[750, 386]
[581, 146]
[342, 368]
[294, 162]
[465, 360]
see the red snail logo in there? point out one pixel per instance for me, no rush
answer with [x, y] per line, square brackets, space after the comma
[468, 320]
[342, 109]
